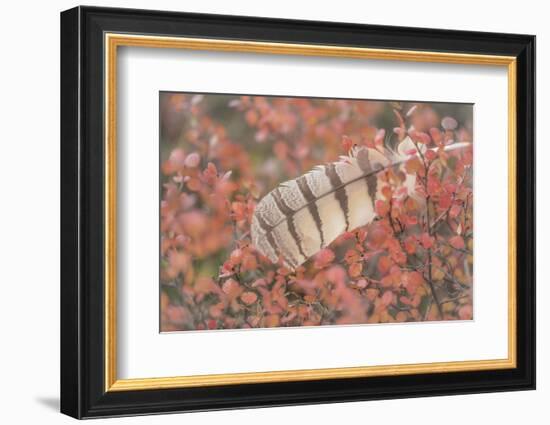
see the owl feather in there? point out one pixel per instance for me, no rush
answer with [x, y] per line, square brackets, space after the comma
[300, 217]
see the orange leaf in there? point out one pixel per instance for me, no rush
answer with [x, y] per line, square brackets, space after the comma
[249, 298]
[351, 256]
[231, 287]
[355, 269]
[410, 245]
[384, 264]
[272, 321]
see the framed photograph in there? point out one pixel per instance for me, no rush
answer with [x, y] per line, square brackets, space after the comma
[261, 212]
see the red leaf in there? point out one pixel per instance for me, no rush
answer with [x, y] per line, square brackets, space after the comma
[457, 242]
[384, 264]
[436, 136]
[455, 211]
[387, 192]
[412, 281]
[445, 201]
[419, 137]
[411, 220]
[347, 143]
[410, 245]
[430, 155]
[382, 208]
[377, 235]
[433, 186]
[426, 240]
[259, 282]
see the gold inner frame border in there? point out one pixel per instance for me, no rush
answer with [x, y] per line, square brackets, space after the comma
[111, 43]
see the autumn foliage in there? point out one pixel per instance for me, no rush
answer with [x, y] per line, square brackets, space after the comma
[220, 154]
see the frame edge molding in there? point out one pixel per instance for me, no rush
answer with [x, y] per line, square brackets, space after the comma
[84, 382]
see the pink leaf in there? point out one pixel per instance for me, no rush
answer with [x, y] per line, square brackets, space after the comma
[465, 312]
[387, 298]
[323, 258]
[192, 160]
[449, 123]
[379, 138]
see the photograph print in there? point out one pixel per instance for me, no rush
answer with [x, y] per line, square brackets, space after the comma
[299, 211]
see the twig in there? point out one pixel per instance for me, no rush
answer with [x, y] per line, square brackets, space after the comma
[450, 300]
[432, 288]
[429, 230]
[428, 308]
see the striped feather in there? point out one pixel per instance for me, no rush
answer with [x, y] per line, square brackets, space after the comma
[300, 217]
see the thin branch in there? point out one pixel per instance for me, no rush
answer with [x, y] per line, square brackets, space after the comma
[429, 230]
[450, 300]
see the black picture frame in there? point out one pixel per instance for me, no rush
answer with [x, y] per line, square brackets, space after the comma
[83, 392]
